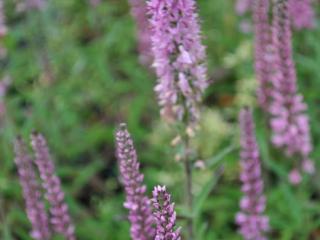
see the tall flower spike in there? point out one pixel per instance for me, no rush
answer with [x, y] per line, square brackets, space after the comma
[165, 215]
[253, 224]
[139, 13]
[31, 190]
[289, 121]
[60, 218]
[140, 214]
[179, 58]
[302, 14]
[262, 50]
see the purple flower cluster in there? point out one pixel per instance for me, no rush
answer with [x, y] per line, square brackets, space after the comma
[302, 13]
[60, 218]
[165, 215]
[253, 224]
[262, 50]
[289, 121]
[140, 214]
[179, 58]
[32, 193]
[139, 12]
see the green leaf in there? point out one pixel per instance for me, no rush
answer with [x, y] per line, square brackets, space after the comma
[203, 195]
[220, 156]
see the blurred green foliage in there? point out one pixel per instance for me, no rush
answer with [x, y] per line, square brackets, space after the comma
[75, 75]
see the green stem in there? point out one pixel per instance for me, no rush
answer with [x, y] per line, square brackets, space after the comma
[188, 184]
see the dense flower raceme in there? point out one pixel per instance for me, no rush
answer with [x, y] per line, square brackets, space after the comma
[253, 224]
[262, 50]
[31, 190]
[139, 13]
[59, 216]
[302, 13]
[165, 215]
[289, 121]
[138, 204]
[179, 58]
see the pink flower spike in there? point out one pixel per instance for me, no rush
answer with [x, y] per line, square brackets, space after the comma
[138, 204]
[289, 121]
[32, 194]
[251, 220]
[60, 218]
[179, 58]
[165, 215]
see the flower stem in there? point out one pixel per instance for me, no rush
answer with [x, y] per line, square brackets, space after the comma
[188, 184]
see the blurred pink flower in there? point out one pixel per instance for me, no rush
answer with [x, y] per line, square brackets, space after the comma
[3, 27]
[34, 4]
[59, 212]
[139, 13]
[94, 3]
[295, 177]
[251, 219]
[243, 6]
[289, 121]
[35, 207]
[302, 13]
[262, 44]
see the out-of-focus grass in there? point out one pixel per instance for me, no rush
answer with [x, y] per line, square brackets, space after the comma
[95, 81]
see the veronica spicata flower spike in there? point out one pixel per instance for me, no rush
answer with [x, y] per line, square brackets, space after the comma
[263, 56]
[60, 218]
[139, 13]
[289, 121]
[165, 215]
[179, 58]
[31, 190]
[302, 13]
[253, 224]
[138, 204]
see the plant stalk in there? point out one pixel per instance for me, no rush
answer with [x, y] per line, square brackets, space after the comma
[188, 184]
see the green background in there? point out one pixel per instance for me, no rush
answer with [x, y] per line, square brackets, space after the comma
[96, 82]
